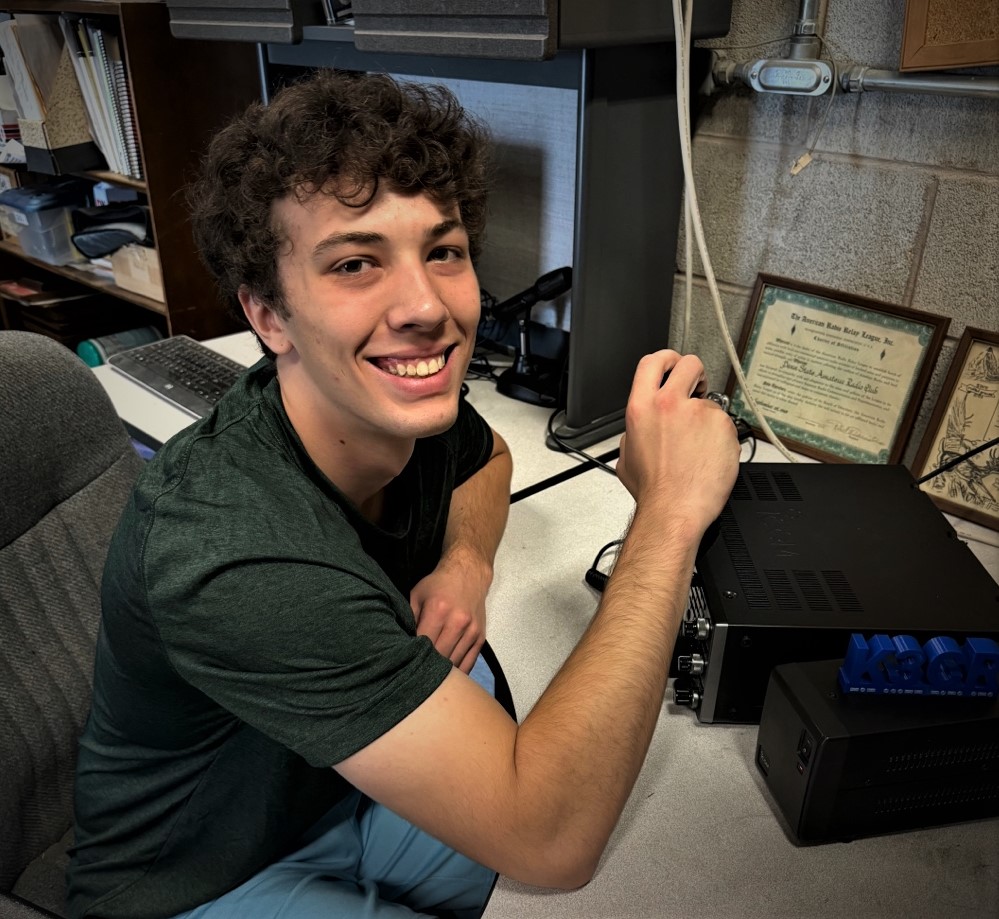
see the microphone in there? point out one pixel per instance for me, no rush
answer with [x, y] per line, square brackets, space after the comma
[531, 379]
[547, 287]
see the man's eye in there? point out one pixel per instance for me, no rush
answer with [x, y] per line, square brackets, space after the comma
[443, 254]
[353, 266]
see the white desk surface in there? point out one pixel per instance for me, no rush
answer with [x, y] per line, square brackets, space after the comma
[699, 838]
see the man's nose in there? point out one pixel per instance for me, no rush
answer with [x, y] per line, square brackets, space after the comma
[417, 302]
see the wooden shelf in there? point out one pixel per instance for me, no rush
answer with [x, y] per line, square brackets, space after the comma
[182, 92]
[115, 178]
[87, 278]
[84, 7]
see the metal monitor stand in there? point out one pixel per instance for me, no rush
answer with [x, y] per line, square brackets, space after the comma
[629, 181]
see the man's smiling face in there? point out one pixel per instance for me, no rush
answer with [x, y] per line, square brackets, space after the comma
[384, 306]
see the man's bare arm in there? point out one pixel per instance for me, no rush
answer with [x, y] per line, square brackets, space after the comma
[538, 802]
[450, 603]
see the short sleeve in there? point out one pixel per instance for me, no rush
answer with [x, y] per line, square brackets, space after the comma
[471, 441]
[322, 659]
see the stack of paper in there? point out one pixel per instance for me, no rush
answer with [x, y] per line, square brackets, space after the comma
[28, 72]
[11, 148]
[66, 74]
[100, 70]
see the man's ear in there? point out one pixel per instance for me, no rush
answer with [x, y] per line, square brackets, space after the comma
[265, 321]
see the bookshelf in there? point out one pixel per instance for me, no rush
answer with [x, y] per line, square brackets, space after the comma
[182, 90]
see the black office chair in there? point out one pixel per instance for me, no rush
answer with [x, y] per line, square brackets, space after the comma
[66, 469]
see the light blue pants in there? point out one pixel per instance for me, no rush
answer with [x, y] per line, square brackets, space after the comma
[362, 861]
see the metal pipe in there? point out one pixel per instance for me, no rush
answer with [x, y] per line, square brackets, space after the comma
[807, 23]
[804, 44]
[803, 48]
[867, 79]
[857, 79]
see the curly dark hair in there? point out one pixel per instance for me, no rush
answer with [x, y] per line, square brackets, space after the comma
[332, 132]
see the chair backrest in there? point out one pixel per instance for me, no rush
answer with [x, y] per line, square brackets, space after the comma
[66, 469]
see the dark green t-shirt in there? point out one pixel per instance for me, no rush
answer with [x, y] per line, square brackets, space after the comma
[256, 630]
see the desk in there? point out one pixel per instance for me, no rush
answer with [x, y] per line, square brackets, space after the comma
[156, 419]
[698, 838]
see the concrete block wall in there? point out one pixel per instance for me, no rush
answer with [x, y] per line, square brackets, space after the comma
[900, 202]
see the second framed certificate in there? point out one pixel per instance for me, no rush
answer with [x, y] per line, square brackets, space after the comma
[966, 418]
[837, 377]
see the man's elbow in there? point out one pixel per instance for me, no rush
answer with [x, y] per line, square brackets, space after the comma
[572, 877]
[559, 866]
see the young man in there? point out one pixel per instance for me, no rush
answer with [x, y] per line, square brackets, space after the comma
[283, 722]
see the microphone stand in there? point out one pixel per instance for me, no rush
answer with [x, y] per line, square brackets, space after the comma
[530, 378]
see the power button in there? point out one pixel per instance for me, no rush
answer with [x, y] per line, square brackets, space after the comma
[805, 746]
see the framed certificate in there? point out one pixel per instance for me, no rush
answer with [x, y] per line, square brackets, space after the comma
[837, 377]
[965, 417]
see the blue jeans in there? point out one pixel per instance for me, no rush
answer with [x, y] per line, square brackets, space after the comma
[362, 861]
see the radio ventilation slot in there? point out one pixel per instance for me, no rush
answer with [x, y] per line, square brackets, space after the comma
[811, 590]
[932, 800]
[780, 585]
[985, 755]
[783, 586]
[785, 485]
[842, 592]
[697, 604]
[740, 492]
[762, 486]
[742, 561]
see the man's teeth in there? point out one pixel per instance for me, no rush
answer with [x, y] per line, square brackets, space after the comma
[424, 368]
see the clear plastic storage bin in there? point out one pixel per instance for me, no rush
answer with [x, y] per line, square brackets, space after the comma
[42, 214]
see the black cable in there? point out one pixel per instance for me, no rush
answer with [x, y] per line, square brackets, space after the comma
[597, 579]
[960, 459]
[481, 368]
[562, 476]
[594, 577]
[581, 454]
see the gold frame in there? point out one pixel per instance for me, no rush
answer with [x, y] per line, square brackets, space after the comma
[926, 332]
[972, 375]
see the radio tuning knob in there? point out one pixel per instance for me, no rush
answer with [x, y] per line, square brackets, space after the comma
[686, 696]
[698, 628]
[693, 664]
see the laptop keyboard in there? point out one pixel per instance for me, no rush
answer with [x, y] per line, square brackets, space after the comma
[180, 370]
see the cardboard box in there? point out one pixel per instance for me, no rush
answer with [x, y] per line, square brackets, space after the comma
[8, 227]
[137, 268]
[9, 178]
